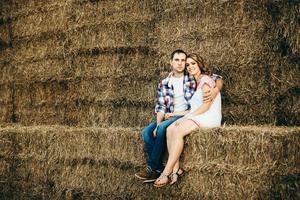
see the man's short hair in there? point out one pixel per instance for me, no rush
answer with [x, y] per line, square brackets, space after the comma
[177, 51]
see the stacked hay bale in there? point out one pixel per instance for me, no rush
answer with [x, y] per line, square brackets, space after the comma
[75, 62]
[253, 44]
[83, 62]
[91, 163]
[36, 53]
[6, 78]
[97, 63]
[111, 49]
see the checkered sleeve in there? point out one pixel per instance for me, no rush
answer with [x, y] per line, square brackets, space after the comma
[215, 77]
[160, 105]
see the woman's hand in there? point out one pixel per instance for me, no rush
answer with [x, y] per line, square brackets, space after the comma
[169, 115]
[211, 94]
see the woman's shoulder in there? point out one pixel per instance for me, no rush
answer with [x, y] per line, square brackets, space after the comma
[205, 79]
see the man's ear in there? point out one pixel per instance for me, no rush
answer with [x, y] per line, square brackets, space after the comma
[171, 62]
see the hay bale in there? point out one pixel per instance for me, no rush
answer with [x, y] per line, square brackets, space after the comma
[288, 107]
[23, 7]
[254, 45]
[7, 165]
[102, 34]
[114, 114]
[249, 43]
[78, 102]
[6, 106]
[250, 145]
[285, 16]
[5, 59]
[232, 162]
[7, 75]
[5, 8]
[118, 89]
[253, 114]
[116, 65]
[5, 34]
[210, 27]
[47, 45]
[42, 70]
[89, 12]
[34, 21]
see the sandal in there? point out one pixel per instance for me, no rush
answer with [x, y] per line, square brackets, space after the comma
[162, 175]
[177, 174]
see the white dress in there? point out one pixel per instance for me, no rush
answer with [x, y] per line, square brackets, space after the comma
[213, 116]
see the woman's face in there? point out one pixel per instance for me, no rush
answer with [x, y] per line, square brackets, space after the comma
[192, 66]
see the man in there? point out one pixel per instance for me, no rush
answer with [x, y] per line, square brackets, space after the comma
[174, 94]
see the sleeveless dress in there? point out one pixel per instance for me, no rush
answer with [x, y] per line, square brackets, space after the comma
[213, 116]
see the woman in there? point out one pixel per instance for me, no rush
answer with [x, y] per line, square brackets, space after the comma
[202, 114]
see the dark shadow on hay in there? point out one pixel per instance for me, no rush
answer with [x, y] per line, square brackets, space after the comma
[6, 42]
[287, 109]
[117, 50]
[3, 45]
[289, 184]
[14, 117]
[9, 188]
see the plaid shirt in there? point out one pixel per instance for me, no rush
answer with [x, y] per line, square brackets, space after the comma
[165, 92]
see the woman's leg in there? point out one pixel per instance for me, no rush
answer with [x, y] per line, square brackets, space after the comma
[176, 166]
[159, 145]
[169, 132]
[175, 135]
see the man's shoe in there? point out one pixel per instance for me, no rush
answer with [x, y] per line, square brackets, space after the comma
[147, 175]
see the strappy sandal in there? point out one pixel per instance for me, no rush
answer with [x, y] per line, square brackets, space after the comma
[162, 175]
[177, 175]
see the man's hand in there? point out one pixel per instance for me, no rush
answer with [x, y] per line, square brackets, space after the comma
[210, 95]
[169, 115]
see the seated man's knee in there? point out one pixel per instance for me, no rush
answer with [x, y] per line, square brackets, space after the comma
[161, 131]
[146, 136]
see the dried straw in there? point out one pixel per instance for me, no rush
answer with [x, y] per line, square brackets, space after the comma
[232, 162]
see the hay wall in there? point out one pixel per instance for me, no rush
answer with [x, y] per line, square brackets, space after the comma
[56, 162]
[69, 62]
[253, 44]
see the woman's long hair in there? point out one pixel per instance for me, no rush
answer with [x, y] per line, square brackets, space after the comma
[200, 61]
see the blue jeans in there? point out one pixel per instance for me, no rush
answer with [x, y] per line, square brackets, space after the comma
[155, 147]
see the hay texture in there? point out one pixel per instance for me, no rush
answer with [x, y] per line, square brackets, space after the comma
[93, 163]
[254, 45]
[6, 106]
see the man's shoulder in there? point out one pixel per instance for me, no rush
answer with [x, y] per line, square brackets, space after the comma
[166, 79]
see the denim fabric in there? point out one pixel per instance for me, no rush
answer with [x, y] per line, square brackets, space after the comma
[156, 147]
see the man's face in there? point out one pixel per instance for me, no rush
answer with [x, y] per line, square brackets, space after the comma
[178, 62]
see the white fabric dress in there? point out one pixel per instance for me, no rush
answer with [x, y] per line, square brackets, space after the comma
[212, 117]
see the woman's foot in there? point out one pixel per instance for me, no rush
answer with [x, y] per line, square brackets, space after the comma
[161, 181]
[176, 175]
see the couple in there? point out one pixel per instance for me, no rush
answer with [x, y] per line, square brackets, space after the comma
[186, 101]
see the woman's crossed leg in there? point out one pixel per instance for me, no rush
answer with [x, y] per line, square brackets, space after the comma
[175, 143]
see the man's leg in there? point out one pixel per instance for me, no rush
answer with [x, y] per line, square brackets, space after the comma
[147, 135]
